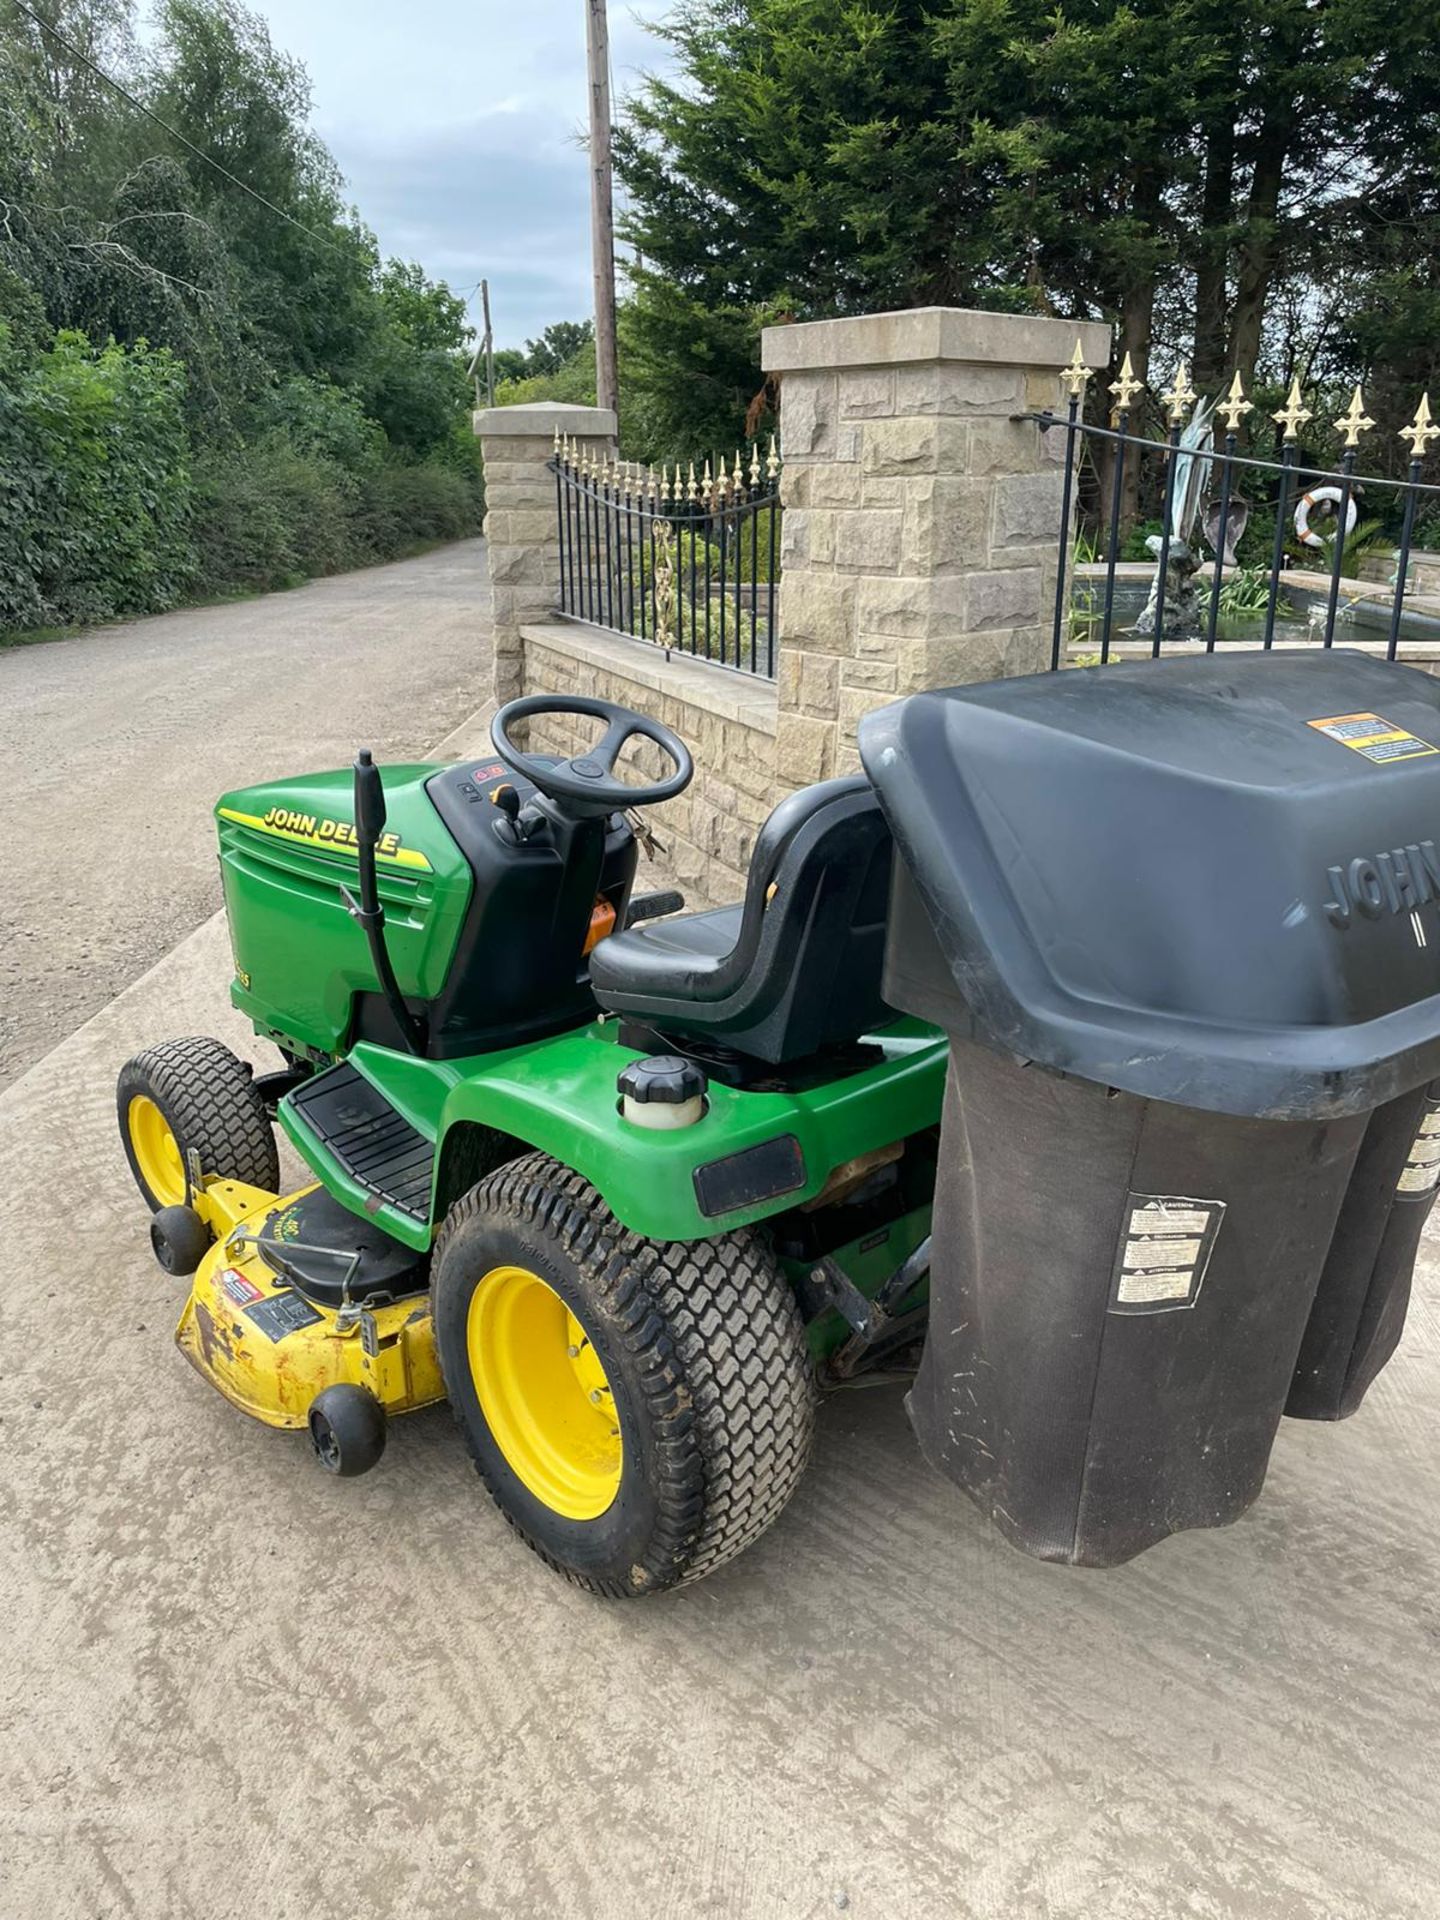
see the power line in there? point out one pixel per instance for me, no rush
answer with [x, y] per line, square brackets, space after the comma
[174, 132]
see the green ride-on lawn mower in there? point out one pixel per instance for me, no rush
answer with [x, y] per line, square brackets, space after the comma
[1131, 975]
[634, 1374]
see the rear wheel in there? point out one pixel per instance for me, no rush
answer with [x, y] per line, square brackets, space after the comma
[193, 1096]
[640, 1411]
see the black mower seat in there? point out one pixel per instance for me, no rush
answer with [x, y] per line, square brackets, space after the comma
[793, 969]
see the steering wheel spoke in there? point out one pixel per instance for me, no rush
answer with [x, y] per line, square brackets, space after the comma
[585, 786]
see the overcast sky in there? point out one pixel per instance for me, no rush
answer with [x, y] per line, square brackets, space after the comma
[454, 125]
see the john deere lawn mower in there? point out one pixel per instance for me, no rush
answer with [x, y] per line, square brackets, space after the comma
[1132, 975]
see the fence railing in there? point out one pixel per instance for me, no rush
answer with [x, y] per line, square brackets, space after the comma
[688, 562]
[1208, 497]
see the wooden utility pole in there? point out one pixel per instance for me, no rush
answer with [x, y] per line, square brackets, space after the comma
[488, 345]
[602, 218]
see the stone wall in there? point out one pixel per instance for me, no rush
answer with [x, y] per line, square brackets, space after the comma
[521, 527]
[726, 719]
[922, 514]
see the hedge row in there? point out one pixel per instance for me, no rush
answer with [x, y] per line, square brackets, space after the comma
[106, 511]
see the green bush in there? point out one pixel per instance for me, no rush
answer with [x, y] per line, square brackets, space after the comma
[268, 515]
[96, 491]
[318, 418]
[401, 507]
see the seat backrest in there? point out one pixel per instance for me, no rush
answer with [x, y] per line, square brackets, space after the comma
[805, 971]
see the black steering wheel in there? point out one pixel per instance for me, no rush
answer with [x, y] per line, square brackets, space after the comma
[587, 785]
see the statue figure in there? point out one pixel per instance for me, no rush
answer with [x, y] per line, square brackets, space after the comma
[1173, 601]
[1237, 518]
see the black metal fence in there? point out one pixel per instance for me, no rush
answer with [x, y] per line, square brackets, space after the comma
[688, 563]
[1195, 587]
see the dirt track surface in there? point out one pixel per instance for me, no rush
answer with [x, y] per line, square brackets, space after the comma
[115, 745]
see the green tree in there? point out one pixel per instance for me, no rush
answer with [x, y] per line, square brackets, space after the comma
[1179, 169]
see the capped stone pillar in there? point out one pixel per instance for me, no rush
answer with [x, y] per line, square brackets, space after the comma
[521, 522]
[922, 517]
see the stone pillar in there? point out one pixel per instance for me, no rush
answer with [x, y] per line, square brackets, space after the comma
[521, 521]
[922, 517]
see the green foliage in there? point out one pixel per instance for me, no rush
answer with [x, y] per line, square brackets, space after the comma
[96, 493]
[573, 382]
[198, 394]
[1245, 593]
[1146, 163]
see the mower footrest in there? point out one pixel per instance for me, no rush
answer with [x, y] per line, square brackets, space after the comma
[373, 1143]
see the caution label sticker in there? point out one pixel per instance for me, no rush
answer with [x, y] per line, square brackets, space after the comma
[1165, 1247]
[242, 1291]
[1377, 739]
[281, 1315]
[1422, 1166]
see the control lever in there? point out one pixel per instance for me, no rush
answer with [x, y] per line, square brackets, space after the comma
[367, 911]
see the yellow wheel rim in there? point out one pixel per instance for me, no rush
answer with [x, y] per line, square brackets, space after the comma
[544, 1393]
[157, 1151]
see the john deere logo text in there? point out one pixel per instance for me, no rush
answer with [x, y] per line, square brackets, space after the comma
[1395, 882]
[315, 827]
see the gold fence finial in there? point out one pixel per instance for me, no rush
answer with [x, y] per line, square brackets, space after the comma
[1233, 409]
[722, 482]
[1077, 375]
[692, 492]
[1180, 394]
[772, 464]
[707, 485]
[755, 468]
[1354, 421]
[1293, 415]
[1421, 430]
[738, 476]
[557, 439]
[665, 493]
[1126, 387]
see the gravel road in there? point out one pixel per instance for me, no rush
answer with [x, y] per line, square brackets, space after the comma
[115, 744]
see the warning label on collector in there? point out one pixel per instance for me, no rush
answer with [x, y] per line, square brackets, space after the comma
[1165, 1247]
[1377, 739]
[1422, 1166]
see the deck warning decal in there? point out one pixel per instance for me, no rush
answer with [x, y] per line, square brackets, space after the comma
[1165, 1247]
[1422, 1167]
[1377, 739]
[282, 1314]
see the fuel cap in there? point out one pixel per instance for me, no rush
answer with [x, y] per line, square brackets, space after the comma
[662, 1091]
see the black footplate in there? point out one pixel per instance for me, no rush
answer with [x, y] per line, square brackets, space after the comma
[334, 1258]
[372, 1142]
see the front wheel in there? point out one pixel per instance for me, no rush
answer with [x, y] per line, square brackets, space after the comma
[187, 1098]
[640, 1411]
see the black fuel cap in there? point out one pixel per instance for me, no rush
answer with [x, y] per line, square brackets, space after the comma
[663, 1078]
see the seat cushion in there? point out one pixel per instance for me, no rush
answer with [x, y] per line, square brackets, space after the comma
[674, 956]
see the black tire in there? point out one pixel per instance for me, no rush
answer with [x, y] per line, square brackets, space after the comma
[180, 1239]
[208, 1099]
[347, 1430]
[705, 1353]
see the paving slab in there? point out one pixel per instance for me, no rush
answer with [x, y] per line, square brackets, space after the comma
[232, 1687]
